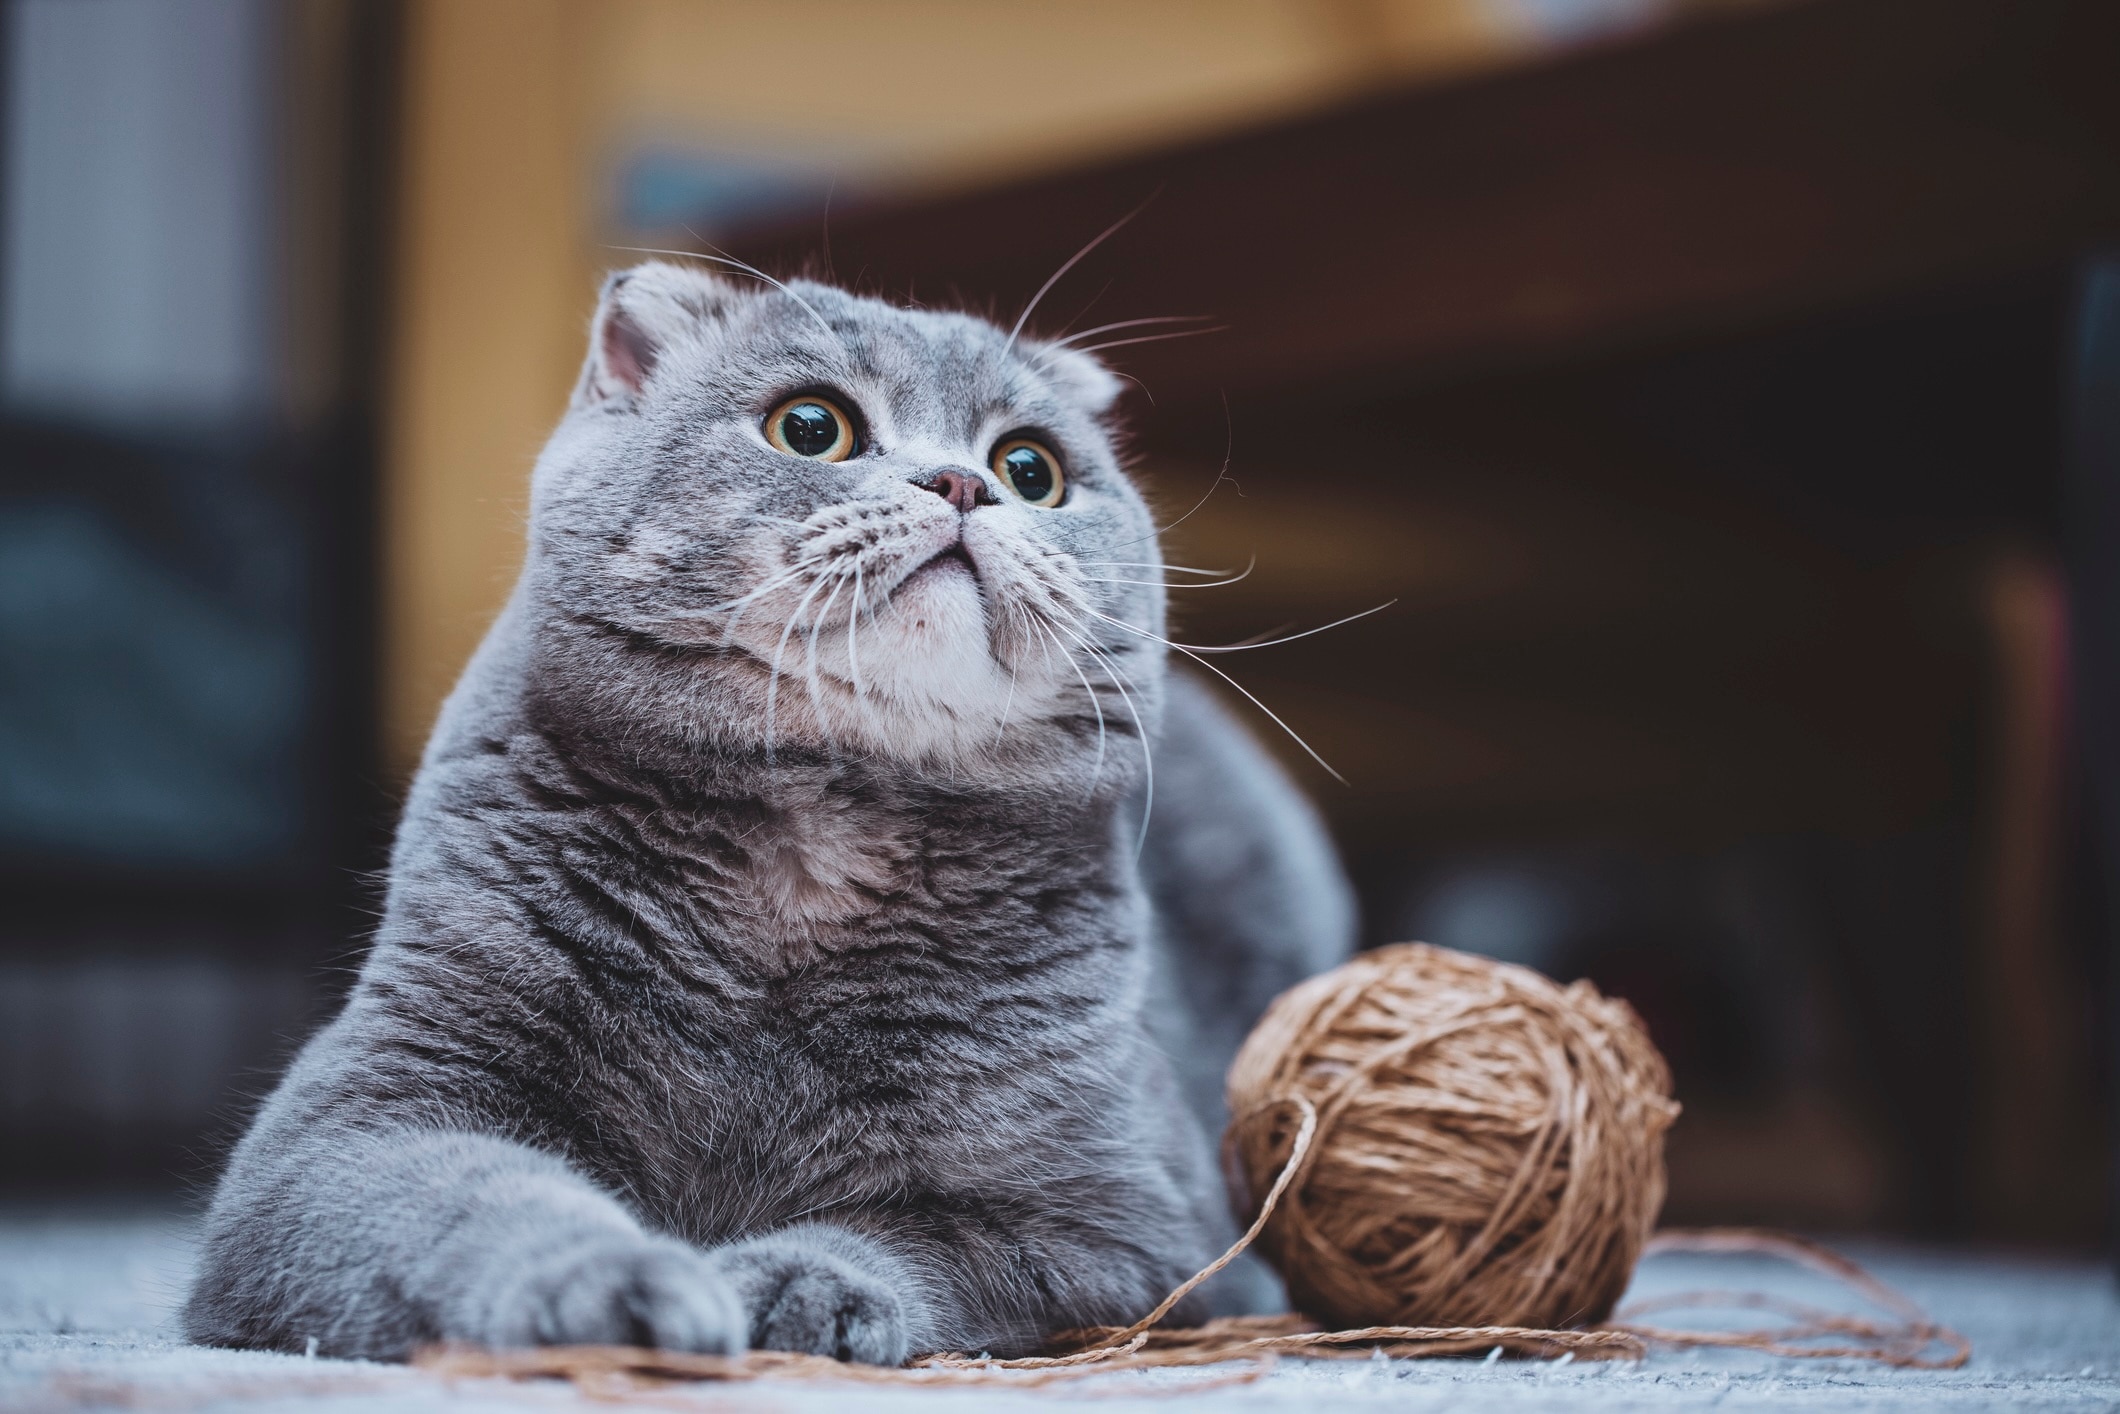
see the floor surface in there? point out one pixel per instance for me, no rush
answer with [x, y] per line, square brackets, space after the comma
[86, 1299]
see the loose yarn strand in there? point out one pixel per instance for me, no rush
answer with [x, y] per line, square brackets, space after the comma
[1133, 1337]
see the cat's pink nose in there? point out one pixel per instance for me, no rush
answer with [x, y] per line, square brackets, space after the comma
[960, 488]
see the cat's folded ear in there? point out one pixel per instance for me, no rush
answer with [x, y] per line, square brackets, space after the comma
[1080, 377]
[642, 314]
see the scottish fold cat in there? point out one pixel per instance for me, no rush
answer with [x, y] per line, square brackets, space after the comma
[782, 948]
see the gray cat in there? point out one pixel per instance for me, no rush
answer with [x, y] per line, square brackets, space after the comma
[773, 955]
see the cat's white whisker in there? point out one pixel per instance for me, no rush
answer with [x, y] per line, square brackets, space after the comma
[1148, 755]
[817, 624]
[1277, 642]
[773, 676]
[853, 630]
[1096, 704]
[1151, 338]
[1008, 704]
[742, 267]
[1166, 584]
[862, 696]
[1072, 261]
[1213, 486]
[1159, 565]
[1076, 338]
[736, 608]
[1249, 696]
[765, 587]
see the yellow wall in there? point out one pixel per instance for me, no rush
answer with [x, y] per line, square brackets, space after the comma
[516, 108]
[491, 281]
[945, 91]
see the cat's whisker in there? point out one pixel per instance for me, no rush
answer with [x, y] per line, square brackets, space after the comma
[742, 267]
[1083, 313]
[1030, 618]
[1271, 716]
[1096, 704]
[1008, 704]
[1122, 373]
[817, 624]
[1277, 642]
[741, 605]
[1072, 261]
[866, 704]
[1165, 584]
[1151, 338]
[787, 575]
[780, 650]
[853, 629]
[1212, 487]
[1148, 755]
[1128, 324]
[1157, 565]
[765, 587]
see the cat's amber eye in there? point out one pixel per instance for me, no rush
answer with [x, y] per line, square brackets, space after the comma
[1031, 471]
[814, 427]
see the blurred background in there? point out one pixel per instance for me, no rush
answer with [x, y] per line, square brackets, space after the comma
[1728, 391]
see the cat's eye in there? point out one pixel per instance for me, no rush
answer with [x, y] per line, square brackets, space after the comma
[1031, 471]
[814, 427]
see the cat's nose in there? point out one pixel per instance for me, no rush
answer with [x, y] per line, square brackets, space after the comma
[960, 488]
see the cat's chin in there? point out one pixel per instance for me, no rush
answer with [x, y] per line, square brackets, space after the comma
[941, 588]
[953, 565]
[919, 682]
[934, 627]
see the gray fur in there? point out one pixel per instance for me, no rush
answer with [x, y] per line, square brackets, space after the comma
[765, 953]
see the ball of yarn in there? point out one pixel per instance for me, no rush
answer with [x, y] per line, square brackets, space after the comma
[1488, 1147]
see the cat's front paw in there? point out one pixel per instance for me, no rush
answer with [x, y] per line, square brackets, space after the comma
[803, 1298]
[657, 1293]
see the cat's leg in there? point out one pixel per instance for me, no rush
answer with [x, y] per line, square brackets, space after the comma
[374, 1242]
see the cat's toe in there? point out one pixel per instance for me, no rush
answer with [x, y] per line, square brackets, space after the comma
[810, 1301]
[659, 1294]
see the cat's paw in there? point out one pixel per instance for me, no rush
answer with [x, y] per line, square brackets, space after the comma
[803, 1298]
[656, 1293]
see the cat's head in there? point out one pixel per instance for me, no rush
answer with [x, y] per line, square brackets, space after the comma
[789, 516]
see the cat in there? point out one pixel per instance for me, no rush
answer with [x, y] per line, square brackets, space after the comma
[820, 919]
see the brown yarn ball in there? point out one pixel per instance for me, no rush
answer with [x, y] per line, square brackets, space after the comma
[1489, 1147]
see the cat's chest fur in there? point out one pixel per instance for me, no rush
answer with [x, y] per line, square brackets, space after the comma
[770, 887]
[891, 992]
[899, 1071]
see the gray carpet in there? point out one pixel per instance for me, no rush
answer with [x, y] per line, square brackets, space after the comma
[86, 1298]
